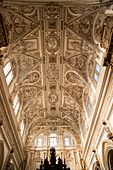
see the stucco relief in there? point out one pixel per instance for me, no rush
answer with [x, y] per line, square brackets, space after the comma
[53, 73]
[83, 9]
[76, 93]
[21, 8]
[74, 113]
[20, 26]
[84, 26]
[53, 98]
[52, 42]
[79, 63]
[69, 102]
[35, 103]
[34, 113]
[73, 78]
[24, 64]
[52, 10]
[29, 92]
[32, 78]
[78, 45]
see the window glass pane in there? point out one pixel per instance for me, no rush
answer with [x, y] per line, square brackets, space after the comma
[53, 135]
[39, 142]
[90, 101]
[9, 78]
[7, 68]
[98, 68]
[89, 107]
[16, 109]
[96, 77]
[53, 141]
[66, 141]
[22, 127]
[15, 101]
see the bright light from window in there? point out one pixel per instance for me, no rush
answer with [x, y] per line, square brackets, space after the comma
[7, 68]
[53, 141]
[89, 107]
[22, 127]
[9, 78]
[98, 68]
[53, 135]
[16, 108]
[15, 101]
[90, 101]
[96, 77]
[39, 142]
[66, 141]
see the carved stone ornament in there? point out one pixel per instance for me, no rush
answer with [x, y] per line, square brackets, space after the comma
[73, 78]
[52, 43]
[53, 73]
[52, 10]
[32, 78]
[52, 98]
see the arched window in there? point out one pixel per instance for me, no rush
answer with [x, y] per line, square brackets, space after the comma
[39, 142]
[66, 140]
[53, 139]
[110, 159]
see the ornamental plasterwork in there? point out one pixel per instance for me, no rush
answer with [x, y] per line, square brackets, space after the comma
[53, 73]
[51, 54]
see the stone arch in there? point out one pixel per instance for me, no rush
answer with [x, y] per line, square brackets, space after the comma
[49, 132]
[110, 159]
[96, 166]
[107, 153]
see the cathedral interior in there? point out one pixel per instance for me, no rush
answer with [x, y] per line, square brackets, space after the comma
[56, 83]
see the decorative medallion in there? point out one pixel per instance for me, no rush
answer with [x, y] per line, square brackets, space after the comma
[52, 43]
[53, 98]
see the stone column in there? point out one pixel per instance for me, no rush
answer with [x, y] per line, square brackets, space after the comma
[61, 143]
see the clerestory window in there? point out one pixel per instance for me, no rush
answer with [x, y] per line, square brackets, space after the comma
[8, 73]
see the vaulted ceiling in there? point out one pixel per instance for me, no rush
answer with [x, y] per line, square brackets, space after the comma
[52, 51]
